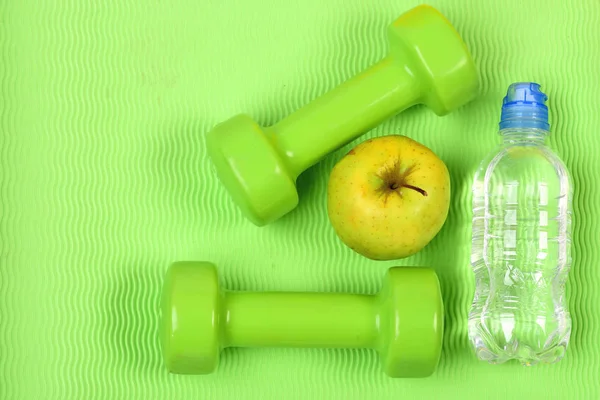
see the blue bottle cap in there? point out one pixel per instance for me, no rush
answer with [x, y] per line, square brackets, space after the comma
[524, 107]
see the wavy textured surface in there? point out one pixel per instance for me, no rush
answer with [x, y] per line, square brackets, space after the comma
[104, 181]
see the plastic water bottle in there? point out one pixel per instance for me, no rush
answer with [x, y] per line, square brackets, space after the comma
[521, 239]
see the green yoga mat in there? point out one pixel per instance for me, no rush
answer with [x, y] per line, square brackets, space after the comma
[104, 181]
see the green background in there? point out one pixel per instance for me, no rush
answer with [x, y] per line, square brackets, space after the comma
[104, 180]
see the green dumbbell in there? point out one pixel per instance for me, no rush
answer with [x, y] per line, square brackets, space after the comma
[403, 322]
[428, 63]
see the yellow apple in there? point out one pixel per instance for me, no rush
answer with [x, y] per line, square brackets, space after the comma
[388, 197]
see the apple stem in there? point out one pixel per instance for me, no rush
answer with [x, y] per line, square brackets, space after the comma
[416, 189]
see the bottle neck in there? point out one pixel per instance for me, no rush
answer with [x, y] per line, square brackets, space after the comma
[524, 135]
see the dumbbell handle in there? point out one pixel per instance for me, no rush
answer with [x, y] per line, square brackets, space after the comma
[299, 320]
[341, 115]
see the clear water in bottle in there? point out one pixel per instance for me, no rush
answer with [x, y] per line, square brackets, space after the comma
[521, 239]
